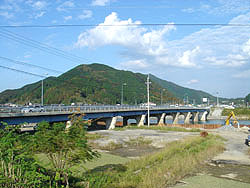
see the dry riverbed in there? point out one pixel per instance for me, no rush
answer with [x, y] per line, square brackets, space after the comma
[137, 142]
[230, 168]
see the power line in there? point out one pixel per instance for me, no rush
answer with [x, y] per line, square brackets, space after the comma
[125, 25]
[45, 45]
[21, 71]
[30, 65]
[41, 46]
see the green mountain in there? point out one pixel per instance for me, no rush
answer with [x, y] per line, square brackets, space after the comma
[247, 98]
[91, 84]
[185, 94]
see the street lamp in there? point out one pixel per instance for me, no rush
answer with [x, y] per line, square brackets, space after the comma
[148, 82]
[185, 100]
[161, 94]
[217, 98]
[124, 84]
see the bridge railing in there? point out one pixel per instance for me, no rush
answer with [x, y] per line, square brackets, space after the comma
[85, 108]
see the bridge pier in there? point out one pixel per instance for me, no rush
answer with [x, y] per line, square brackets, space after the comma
[68, 124]
[195, 117]
[204, 116]
[187, 117]
[110, 123]
[161, 119]
[176, 118]
[125, 121]
[140, 120]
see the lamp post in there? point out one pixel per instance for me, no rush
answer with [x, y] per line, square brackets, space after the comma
[42, 94]
[161, 94]
[217, 98]
[123, 84]
[148, 82]
[185, 99]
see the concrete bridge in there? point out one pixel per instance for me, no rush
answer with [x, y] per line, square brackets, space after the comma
[107, 114]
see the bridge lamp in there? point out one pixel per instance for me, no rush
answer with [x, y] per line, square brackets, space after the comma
[123, 84]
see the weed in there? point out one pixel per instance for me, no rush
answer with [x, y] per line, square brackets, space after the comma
[93, 136]
[162, 129]
[138, 141]
[165, 167]
[109, 147]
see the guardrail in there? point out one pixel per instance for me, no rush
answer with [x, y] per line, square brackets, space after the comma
[92, 108]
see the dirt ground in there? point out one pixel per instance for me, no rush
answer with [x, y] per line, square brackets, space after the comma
[158, 138]
[229, 169]
[236, 150]
[233, 164]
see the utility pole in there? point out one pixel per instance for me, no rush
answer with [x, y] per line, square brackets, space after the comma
[123, 84]
[42, 94]
[42, 89]
[217, 98]
[148, 82]
[161, 94]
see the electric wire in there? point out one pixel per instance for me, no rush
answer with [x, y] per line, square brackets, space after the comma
[41, 46]
[44, 45]
[126, 25]
[30, 65]
[21, 71]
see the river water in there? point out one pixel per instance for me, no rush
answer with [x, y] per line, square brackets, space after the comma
[181, 121]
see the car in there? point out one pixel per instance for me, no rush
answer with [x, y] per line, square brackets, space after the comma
[26, 110]
[31, 109]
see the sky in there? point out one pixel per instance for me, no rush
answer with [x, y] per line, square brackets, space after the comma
[210, 52]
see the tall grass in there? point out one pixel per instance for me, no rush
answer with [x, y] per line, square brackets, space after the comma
[160, 128]
[237, 111]
[163, 168]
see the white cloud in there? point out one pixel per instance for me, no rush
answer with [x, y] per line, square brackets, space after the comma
[135, 64]
[7, 15]
[39, 14]
[221, 7]
[229, 61]
[242, 74]
[27, 56]
[143, 40]
[187, 59]
[6, 7]
[192, 81]
[215, 46]
[39, 5]
[246, 48]
[231, 6]
[67, 18]
[64, 6]
[100, 2]
[86, 14]
[188, 10]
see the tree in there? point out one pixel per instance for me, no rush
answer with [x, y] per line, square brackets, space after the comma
[248, 98]
[64, 147]
[17, 168]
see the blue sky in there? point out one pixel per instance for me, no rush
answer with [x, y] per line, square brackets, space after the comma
[209, 58]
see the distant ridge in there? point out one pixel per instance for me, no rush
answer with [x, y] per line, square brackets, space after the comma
[101, 84]
[183, 92]
[89, 84]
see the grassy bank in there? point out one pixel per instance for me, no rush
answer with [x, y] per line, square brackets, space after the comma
[160, 128]
[238, 112]
[157, 170]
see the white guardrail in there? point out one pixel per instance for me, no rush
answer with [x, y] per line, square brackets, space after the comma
[88, 108]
